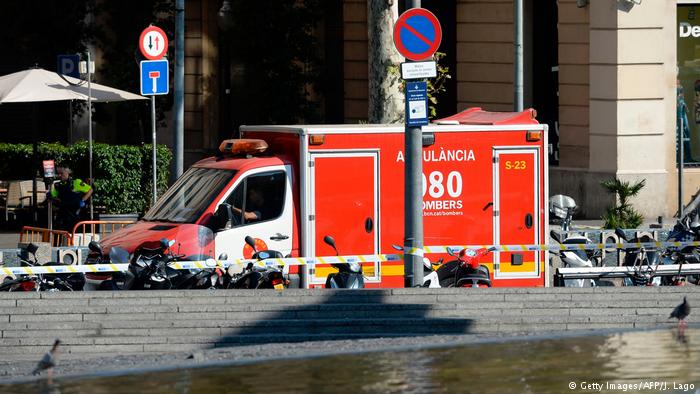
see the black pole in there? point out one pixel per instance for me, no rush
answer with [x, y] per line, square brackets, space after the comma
[681, 159]
[35, 160]
[179, 88]
[413, 199]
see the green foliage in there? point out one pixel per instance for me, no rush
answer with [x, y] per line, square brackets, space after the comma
[622, 215]
[436, 86]
[123, 174]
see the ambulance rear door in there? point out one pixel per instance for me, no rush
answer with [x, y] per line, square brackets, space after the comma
[344, 203]
[516, 218]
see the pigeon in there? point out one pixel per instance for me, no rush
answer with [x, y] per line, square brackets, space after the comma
[681, 312]
[48, 361]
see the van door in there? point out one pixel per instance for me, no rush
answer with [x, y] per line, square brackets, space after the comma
[345, 205]
[262, 205]
[516, 187]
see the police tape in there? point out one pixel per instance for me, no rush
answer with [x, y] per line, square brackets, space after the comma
[563, 247]
[414, 251]
[371, 258]
[201, 264]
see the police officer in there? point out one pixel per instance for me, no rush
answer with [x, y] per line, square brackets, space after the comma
[71, 196]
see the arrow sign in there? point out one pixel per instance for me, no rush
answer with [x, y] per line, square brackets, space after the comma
[417, 34]
[150, 35]
[154, 77]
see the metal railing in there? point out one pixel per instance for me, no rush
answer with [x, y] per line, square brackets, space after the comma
[53, 237]
[95, 230]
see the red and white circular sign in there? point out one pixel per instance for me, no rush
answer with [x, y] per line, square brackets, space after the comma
[153, 43]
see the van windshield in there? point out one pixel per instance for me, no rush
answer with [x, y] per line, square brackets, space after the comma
[186, 200]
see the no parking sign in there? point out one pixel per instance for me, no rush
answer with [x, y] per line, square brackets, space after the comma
[417, 34]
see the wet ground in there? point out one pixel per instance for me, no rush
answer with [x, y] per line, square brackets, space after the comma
[635, 361]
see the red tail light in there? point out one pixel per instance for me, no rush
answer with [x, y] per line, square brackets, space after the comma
[28, 285]
[277, 281]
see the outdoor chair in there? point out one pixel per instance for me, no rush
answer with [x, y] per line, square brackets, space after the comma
[14, 200]
[26, 188]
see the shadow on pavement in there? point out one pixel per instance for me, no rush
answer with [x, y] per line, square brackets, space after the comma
[341, 314]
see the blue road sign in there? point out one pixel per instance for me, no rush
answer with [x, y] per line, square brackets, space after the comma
[416, 103]
[68, 65]
[417, 34]
[154, 77]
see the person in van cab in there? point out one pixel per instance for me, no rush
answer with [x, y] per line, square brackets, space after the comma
[255, 205]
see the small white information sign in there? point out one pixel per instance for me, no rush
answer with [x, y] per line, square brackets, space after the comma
[418, 70]
[417, 110]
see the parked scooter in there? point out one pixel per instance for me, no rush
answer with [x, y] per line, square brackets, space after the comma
[22, 283]
[117, 280]
[577, 258]
[255, 277]
[349, 275]
[42, 282]
[211, 277]
[149, 270]
[561, 210]
[465, 271]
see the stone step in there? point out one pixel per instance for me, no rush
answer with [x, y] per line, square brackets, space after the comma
[148, 321]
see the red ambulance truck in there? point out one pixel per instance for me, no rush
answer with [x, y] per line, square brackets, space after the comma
[484, 182]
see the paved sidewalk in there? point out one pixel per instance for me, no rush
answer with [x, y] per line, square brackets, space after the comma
[9, 240]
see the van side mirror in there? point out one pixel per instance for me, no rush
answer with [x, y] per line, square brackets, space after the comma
[223, 215]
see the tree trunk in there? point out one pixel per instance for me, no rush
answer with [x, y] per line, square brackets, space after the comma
[385, 98]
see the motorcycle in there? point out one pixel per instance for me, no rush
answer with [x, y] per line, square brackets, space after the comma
[22, 283]
[577, 258]
[465, 271]
[150, 264]
[472, 273]
[349, 275]
[42, 282]
[561, 210]
[255, 277]
[149, 269]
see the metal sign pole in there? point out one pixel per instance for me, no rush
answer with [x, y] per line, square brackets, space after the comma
[413, 199]
[50, 210]
[681, 164]
[518, 41]
[92, 182]
[153, 129]
[154, 77]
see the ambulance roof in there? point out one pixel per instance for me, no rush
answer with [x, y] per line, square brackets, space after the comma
[472, 119]
[477, 116]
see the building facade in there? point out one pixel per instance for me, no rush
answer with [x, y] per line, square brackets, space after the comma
[604, 74]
